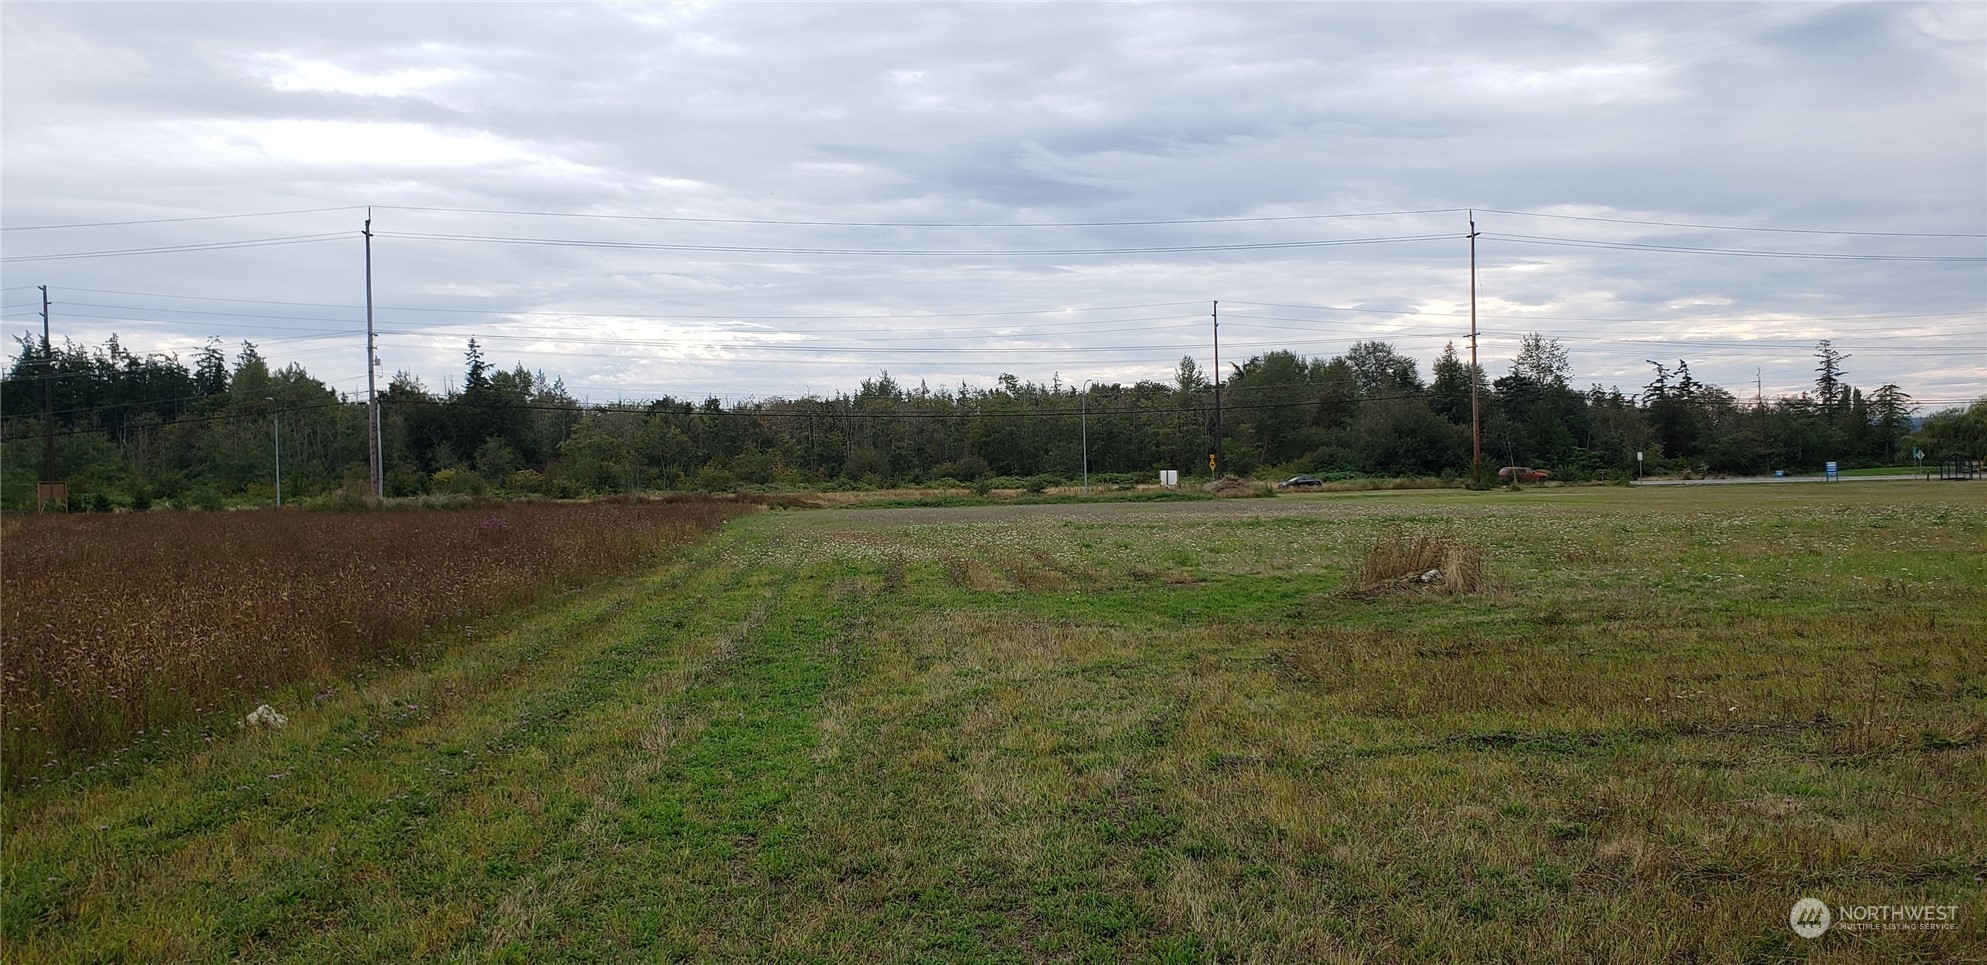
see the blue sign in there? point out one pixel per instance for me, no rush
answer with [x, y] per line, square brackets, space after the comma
[1832, 477]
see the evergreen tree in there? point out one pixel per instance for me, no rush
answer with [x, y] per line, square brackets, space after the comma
[1449, 396]
[210, 370]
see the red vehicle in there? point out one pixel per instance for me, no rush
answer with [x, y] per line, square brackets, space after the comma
[1522, 474]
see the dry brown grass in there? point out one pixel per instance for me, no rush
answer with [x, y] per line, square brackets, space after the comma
[116, 626]
[1235, 487]
[1437, 562]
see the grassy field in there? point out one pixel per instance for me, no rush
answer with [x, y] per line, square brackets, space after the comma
[1167, 732]
[120, 629]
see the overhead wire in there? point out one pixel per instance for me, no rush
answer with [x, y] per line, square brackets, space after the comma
[168, 249]
[1156, 222]
[850, 317]
[1720, 227]
[911, 252]
[207, 217]
[1982, 311]
[921, 224]
[762, 344]
[799, 338]
[1735, 252]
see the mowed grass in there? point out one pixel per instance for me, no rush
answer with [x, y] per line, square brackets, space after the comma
[1162, 732]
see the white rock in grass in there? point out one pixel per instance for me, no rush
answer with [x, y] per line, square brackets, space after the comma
[265, 716]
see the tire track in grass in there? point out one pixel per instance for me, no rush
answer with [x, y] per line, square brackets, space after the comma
[380, 830]
[695, 852]
[521, 915]
[993, 795]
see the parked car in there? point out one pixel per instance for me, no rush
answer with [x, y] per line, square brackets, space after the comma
[1301, 482]
[1522, 474]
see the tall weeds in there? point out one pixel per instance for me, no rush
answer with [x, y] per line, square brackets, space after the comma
[1435, 561]
[114, 626]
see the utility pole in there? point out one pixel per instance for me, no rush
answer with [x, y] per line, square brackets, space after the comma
[47, 399]
[1083, 418]
[1476, 414]
[372, 375]
[1215, 462]
[276, 432]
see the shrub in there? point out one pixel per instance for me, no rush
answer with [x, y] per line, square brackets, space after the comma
[713, 478]
[459, 481]
[967, 468]
[525, 481]
[1235, 487]
[200, 497]
[349, 498]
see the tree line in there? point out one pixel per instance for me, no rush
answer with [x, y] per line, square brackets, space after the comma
[132, 430]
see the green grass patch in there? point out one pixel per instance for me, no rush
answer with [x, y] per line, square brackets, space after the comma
[1080, 731]
[1100, 495]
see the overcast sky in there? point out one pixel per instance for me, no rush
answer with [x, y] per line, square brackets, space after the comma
[756, 200]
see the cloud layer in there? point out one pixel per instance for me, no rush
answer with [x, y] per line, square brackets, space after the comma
[953, 192]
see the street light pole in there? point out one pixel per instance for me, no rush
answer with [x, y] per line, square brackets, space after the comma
[1083, 419]
[277, 417]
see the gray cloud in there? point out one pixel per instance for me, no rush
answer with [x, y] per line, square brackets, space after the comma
[1851, 117]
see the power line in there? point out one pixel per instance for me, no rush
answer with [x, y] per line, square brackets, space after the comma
[195, 420]
[1723, 227]
[1737, 252]
[1581, 318]
[207, 217]
[693, 410]
[575, 314]
[578, 315]
[908, 252]
[844, 406]
[681, 341]
[922, 224]
[165, 249]
[533, 313]
[208, 323]
[1157, 222]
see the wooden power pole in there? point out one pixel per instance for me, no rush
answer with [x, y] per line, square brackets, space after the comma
[1476, 414]
[47, 396]
[1216, 463]
[372, 376]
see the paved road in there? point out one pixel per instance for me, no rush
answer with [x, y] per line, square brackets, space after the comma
[1746, 480]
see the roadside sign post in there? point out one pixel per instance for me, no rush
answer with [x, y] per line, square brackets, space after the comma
[1638, 464]
[1833, 476]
